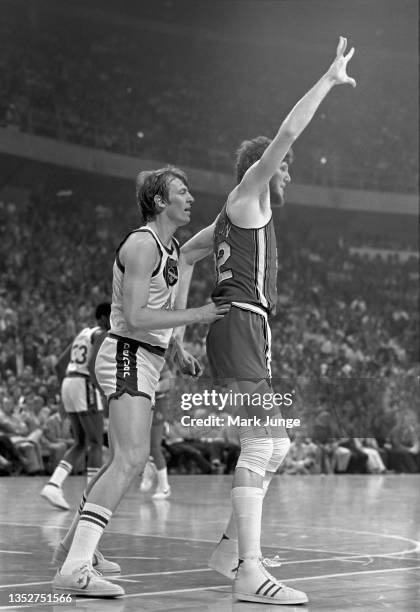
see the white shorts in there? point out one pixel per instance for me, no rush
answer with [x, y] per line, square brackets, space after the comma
[79, 395]
[124, 365]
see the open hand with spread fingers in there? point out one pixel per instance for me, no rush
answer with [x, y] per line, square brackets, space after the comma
[337, 71]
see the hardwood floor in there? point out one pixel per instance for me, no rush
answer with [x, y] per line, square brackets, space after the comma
[350, 542]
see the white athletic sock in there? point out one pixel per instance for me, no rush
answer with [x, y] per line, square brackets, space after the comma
[162, 478]
[91, 525]
[61, 472]
[231, 532]
[91, 473]
[247, 507]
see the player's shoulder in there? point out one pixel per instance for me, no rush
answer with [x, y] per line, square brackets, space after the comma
[140, 243]
[246, 208]
[140, 238]
[85, 331]
[97, 333]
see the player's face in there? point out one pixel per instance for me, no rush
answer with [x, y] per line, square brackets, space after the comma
[180, 202]
[278, 184]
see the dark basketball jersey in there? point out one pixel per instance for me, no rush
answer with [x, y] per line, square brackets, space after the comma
[246, 263]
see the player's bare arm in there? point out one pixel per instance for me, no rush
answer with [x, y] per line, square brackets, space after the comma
[194, 250]
[62, 363]
[251, 196]
[140, 257]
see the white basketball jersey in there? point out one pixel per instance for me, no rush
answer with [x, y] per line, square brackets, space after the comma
[161, 294]
[81, 350]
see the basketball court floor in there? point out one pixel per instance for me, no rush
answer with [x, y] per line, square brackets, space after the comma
[351, 542]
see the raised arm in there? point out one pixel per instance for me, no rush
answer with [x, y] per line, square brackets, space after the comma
[256, 178]
[140, 257]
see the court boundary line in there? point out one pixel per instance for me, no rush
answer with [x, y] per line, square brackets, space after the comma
[208, 569]
[183, 539]
[342, 555]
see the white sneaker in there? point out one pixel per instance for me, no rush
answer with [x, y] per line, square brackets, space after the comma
[224, 558]
[148, 478]
[55, 496]
[99, 563]
[87, 582]
[162, 493]
[254, 583]
[104, 566]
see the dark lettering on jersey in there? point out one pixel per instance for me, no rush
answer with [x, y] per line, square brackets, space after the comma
[170, 272]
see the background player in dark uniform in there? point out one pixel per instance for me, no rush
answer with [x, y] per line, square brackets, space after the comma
[238, 346]
[83, 405]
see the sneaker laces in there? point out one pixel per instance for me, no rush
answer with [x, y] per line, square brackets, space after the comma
[270, 576]
[88, 570]
[271, 561]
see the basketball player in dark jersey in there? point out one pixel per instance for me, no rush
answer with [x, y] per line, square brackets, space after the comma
[238, 346]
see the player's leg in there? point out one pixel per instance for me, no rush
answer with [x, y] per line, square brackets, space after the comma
[224, 557]
[93, 426]
[252, 581]
[248, 365]
[129, 422]
[99, 562]
[163, 489]
[52, 491]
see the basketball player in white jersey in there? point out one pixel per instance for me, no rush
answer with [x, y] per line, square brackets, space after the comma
[83, 406]
[129, 361]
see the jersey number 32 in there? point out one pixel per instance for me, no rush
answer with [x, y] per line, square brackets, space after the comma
[223, 254]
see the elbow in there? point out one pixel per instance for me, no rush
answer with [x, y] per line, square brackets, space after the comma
[134, 320]
[186, 259]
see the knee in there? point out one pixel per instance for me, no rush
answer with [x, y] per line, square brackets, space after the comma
[280, 449]
[255, 454]
[95, 443]
[131, 461]
[78, 446]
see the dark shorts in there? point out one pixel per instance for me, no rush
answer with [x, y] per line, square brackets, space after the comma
[239, 346]
[239, 353]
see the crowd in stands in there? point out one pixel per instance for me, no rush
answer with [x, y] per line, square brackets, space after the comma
[345, 340]
[119, 90]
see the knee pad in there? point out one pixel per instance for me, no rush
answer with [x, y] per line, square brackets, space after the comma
[280, 449]
[256, 452]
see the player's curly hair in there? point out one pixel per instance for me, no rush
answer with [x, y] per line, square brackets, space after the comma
[151, 183]
[250, 151]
